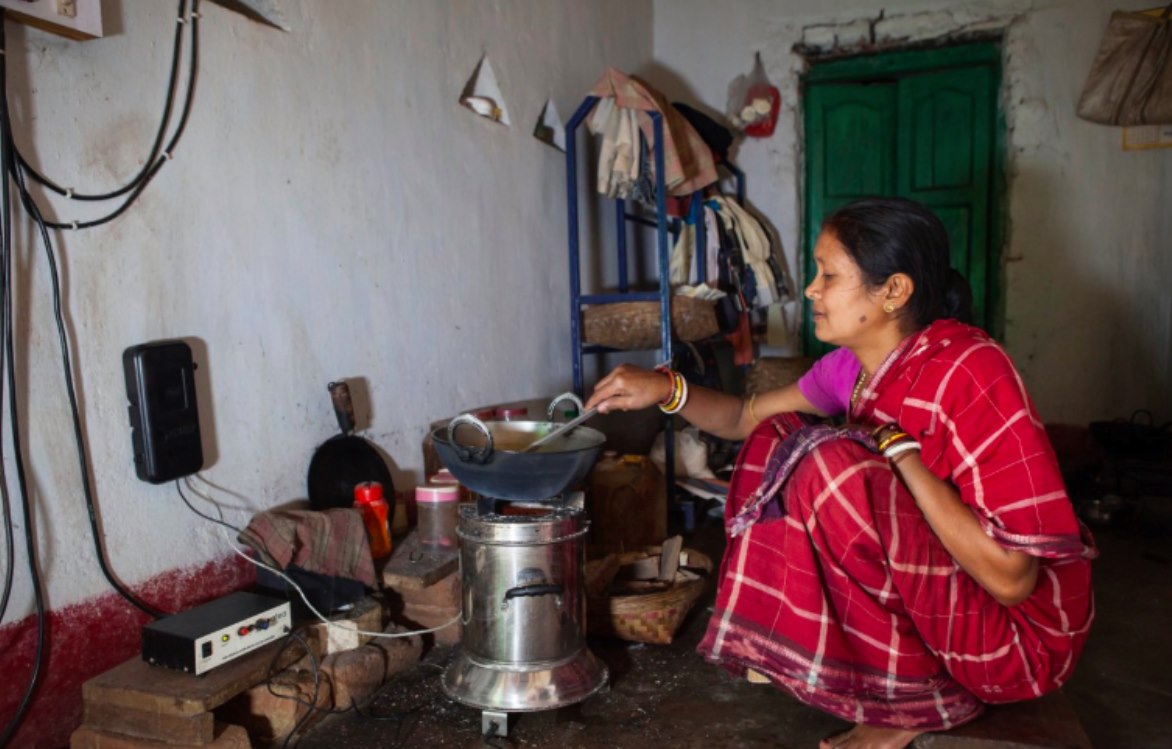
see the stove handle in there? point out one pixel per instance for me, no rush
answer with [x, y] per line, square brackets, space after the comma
[525, 591]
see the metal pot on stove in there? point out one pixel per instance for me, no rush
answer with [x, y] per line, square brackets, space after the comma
[490, 458]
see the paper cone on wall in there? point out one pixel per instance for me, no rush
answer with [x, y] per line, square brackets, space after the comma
[483, 96]
[265, 11]
[550, 128]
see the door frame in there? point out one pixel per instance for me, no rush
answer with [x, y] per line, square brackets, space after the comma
[896, 62]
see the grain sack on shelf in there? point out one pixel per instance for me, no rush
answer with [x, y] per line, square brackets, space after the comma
[635, 325]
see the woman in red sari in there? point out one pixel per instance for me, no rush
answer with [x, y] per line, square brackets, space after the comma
[921, 561]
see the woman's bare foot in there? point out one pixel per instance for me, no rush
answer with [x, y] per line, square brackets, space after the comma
[870, 737]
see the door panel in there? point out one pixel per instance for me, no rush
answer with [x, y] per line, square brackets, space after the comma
[945, 160]
[850, 137]
[941, 139]
[925, 130]
[858, 126]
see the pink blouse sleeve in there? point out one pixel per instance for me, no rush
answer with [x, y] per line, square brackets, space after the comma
[828, 383]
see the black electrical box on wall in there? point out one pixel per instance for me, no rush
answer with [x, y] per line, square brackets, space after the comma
[164, 418]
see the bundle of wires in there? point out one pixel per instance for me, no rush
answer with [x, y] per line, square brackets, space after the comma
[15, 170]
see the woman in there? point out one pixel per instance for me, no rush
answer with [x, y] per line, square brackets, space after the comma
[905, 569]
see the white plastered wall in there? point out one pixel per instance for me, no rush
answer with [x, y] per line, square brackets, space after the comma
[331, 212]
[1088, 259]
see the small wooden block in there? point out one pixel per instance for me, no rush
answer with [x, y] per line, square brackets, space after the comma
[412, 567]
[85, 737]
[345, 633]
[170, 729]
[669, 557]
[140, 686]
[1046, 723]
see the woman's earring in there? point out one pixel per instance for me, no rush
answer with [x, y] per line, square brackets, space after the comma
[889, 307]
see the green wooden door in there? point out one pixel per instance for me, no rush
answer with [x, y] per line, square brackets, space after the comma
[945, 153]
[850, 152]
[922, 125]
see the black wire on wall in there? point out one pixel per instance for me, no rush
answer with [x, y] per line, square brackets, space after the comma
[14, 167]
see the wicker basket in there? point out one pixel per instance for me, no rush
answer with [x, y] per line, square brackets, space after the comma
[649, 617]
[635, 325]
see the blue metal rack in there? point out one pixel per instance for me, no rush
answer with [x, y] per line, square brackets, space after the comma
[663, 225]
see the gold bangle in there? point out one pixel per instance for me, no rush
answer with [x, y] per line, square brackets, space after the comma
[752, 411]
[887, 442]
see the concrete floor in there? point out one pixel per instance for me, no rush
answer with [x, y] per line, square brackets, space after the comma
[667, 696]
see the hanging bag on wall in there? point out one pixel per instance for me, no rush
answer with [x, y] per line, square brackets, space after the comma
[1130, 82]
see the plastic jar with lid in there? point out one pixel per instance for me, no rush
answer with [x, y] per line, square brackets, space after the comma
[436, 508]
[444, 477]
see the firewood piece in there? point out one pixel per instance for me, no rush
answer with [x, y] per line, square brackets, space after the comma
[669, 558]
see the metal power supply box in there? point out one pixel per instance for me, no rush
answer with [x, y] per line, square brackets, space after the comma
[207, 636]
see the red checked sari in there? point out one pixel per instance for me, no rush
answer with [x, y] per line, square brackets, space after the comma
[835, 587]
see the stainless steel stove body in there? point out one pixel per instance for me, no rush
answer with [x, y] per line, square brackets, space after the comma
[524, 612]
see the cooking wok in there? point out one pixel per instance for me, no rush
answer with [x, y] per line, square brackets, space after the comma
[488, 457]
[345, 460]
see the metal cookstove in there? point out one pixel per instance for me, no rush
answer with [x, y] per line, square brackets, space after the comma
[524, 612]
[522, 563]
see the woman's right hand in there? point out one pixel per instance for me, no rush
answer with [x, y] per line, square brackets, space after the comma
[629, 388]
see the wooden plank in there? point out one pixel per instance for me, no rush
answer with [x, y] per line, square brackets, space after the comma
[85, 737]
[170, 729]
[139, 686]
[412, 567]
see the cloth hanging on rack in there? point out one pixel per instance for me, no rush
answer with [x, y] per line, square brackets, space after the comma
[619, 159]
[683, 254]
[688, 162]
[755, 248]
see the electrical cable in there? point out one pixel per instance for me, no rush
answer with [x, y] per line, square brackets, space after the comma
[12, 165]
[209, 518]
[316, 690]
[153, 167]
[205, 497]
[312, 707]
[216, 487]
[327, 622]
[17, 454]
[9, 550]
[79, 437]
[172, 85]
[67, 367]
[9, 544]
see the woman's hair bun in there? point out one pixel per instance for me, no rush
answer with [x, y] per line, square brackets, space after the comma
[958, 297]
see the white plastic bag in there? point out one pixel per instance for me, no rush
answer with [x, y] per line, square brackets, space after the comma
[691, 457]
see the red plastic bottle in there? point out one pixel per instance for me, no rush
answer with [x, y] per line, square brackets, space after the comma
[368, 498]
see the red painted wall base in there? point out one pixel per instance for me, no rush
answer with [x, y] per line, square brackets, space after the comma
[83, 640]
